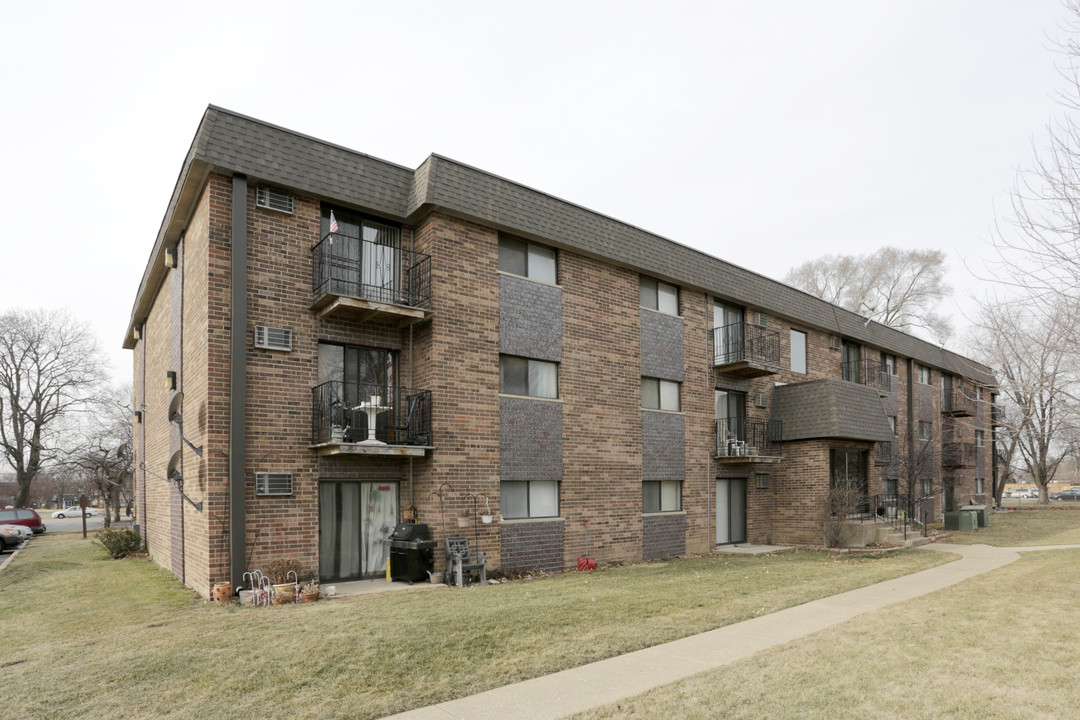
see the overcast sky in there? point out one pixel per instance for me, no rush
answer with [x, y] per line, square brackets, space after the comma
[764, 133]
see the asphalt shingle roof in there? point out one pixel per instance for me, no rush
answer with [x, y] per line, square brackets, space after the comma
[233, 143]
[830, 408]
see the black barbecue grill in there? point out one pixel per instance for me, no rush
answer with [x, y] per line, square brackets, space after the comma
[412, 552]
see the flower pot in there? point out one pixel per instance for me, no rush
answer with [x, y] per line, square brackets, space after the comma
[486, 519]
[222, 593]
[284, 593]
[463, 522]
[309, 597]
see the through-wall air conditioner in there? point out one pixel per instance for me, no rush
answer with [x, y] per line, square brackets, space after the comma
[834, 342]
[761, 320]
[273, 483]
[268, 338]
[762, 400]
[274, 199]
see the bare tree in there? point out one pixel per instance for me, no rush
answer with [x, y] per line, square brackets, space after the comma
[100, 449]
[49, 366]
[1033, 349]
[898, 288]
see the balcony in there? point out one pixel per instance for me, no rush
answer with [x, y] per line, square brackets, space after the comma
[998, 418]
[957, 455]
[957, 403]
[370, 280]
[744, 350]
[748, 440]
[344, 414]
[867, 372]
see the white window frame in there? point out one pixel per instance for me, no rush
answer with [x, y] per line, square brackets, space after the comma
[669, 499]
[533, 490]
[665, 390]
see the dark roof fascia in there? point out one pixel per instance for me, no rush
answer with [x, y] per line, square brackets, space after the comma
[230, 142]
[468, 192]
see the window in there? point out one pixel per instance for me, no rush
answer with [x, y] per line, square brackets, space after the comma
[660, 394]
[979, 486]
[926, 487]
[978, 438]
[656, 295]
[924, 375]
[535, 499]
[762, 481]
[532, 378]
[888, 363]
[892, 423]
[978, 393]
[924, 430]
[661, 496]
[798, 351]
[535, 262]
[356, 372]
[849, 362]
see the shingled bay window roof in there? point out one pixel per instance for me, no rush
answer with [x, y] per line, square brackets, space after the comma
[831, 408]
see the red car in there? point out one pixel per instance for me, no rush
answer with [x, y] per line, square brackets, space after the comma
[23, 516]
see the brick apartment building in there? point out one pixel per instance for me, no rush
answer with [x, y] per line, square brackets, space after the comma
[323, 339]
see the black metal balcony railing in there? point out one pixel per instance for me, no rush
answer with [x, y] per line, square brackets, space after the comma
[957, 454]
[998, 418]
[957, 403]
[867, 372]
[899, 512]
[748, 437]
[372, 271]
[740, 342]
[340, 413]
[884, 453]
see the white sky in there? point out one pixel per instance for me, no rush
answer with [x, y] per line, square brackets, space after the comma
[764, 133]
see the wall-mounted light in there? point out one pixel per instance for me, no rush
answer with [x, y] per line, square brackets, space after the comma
[137, 332]
[138, 416]
[170, 379]
[170, 257]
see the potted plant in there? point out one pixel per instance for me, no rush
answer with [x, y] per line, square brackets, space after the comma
[279, 572]
[463, 519]
[310, 591]
[486, 517]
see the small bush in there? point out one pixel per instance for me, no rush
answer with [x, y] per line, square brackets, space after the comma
[278, 570]
[119, 543]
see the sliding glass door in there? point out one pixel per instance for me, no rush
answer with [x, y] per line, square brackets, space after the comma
[355, 518]
[730, 511]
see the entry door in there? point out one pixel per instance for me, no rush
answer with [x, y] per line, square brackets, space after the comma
[728, 334]
[355, 518]
[730, 511]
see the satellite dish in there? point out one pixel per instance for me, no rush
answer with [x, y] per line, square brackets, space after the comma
[173, 472]
[121, 450]
[123, 474]
[174, 409]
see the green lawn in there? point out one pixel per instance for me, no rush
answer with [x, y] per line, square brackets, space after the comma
[88, 637]
[1031, 525]
[1001, 645]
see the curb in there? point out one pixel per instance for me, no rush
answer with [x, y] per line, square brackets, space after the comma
[9, 558]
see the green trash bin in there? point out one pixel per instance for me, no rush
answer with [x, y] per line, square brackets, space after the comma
[962, 520]
[982, 513]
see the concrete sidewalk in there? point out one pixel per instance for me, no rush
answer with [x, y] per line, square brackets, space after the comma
[606, 681]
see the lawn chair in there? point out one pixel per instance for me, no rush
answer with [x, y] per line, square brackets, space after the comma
[459, 562]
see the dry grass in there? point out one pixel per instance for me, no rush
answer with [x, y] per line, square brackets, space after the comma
[1031, 525]
[1002, 645]
[124, 640]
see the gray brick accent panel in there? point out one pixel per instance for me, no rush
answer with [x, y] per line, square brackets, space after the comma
[530, 439]
[661, 346]
[530, 319]
[925, 398]
[663, 446]
[891, 402]
[663, 536]
[532, 546]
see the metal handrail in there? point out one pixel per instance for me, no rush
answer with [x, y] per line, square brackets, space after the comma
[350, 266]
[742, 342]
[339, 413]
[748, 437]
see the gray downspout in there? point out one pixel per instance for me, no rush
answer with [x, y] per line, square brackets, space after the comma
[913, 485]
[238, 383]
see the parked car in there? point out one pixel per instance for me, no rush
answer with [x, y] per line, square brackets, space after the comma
[72, 512]
[1017, 493]
[1072, 494]
[27, 517]
[11, 536]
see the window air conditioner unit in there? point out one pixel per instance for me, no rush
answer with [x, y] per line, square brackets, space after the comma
[761, 320]
[269, 338]
[762, 400]
[834, 342]
[273, 483]
[274, 199]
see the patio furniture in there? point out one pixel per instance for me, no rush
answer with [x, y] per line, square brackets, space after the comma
[459, 562]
